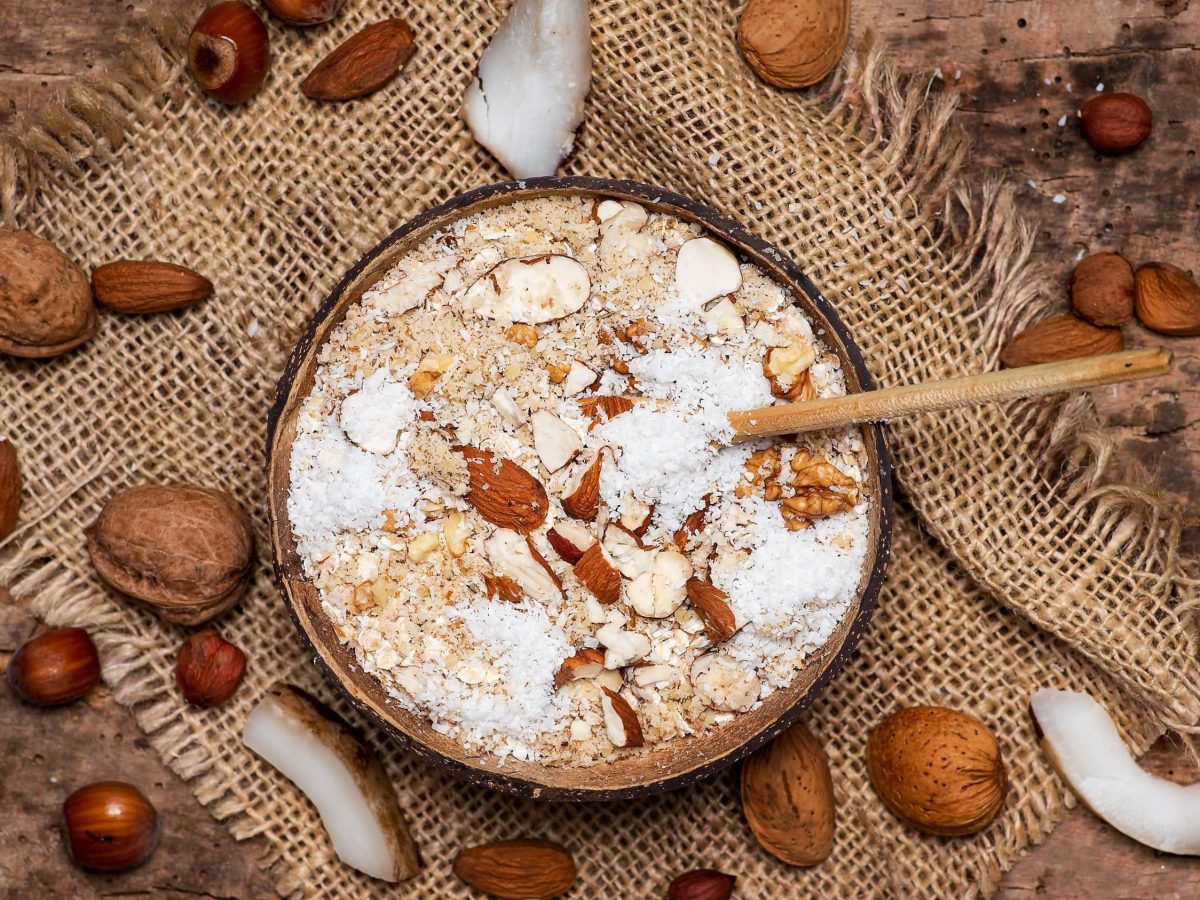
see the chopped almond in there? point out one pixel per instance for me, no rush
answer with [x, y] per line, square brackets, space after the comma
[600, 408]
[712, 604]
[599, 575]
[582, 490]
[620, 721]
[586, 663]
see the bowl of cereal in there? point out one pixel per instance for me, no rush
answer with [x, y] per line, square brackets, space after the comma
[506, 512]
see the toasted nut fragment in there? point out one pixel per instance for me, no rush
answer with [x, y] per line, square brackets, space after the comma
[619, 366]
[653, 676]
[623, 647]
[626, 552]
[657, 593]
[693, 524]
[432, 367]
[455, 530]
[764, 464]
[513, 556]
[706, 270]
[724, 319]
[556, 442]
[532, 290]
[602, 407]
[622, 237]
[570, 540]
[794, 521]
[723, 684]
[504, 588]
[557, 373]
[620, 721]
[581, 498]
[712, 604]
[422, 546]
[598, 575]
[525, 335]
[785, 366]
[637, 517]
[586, 663]
[638, 333]
[821, 488]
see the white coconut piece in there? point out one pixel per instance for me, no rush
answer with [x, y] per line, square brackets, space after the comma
[533, 290]
[321, 754]
[527, 98]
[1083, 744]
[705, 270]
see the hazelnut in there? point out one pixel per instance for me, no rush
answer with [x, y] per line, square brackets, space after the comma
[184, 551]
[303, 12]
[1168, 299]
[228, 52]
[111, 826]
[1060, 337]
[55, 668]
[45, 300]
[1102, 289]
[208, 669]
[1116, 123]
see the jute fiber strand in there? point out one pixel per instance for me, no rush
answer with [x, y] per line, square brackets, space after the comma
[1025, 553]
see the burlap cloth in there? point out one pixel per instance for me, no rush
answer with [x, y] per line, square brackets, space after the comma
[1014, 566]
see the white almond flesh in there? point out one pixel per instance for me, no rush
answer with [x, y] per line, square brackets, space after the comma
[409, 292]
[532, 289]
[620, 721]
[657, 593]
[572, 531]
[724, 319]
[512, 557]
[624, 647]
[611, 679]
[706, 270]
[372, 418]
[608, 209]
[1088, 752]
[580, 378]
[555, 441]
[315, 749]
[527, 98]
[723, 684]
[621, 235]
[653, 676]
[622, 547]
[507, 407]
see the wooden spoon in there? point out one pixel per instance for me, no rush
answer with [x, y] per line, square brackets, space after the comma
[932, 396]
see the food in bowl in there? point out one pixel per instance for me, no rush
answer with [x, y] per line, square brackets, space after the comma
[512, 487]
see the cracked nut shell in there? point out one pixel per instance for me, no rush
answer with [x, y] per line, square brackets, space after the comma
[186, 552]
[46, 304]
[10, 488]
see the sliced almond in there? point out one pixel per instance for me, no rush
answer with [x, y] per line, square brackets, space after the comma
[627, 552]
[555, 441]
[620, 721]
[581, 498]
[598, 575]
[712, 604]
[503, 492]
[611, 679]
[653, 676]
[579, 378]
[601, 408]
[513, 556]
[570, 540]
[706, 270]
[586, 663]
[623, 647]
[532, 289]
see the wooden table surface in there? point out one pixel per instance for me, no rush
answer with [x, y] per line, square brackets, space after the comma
[1021, 69]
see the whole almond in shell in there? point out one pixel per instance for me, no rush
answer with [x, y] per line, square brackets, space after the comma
[1060, 337]
[46, 304]
[1102, 289]
[364, 63]
[787, 797]
[1168, 299]
[10, 488]
[145, 286]
[185, 552]
[517, 870]
[938, 769]
[794, 43]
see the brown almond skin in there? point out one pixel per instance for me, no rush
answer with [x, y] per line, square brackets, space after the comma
[1116, 123]
[701, 884]
[111, 826]
[1168, 299]
[146, 286]
[793, 43]
[1060, 337]
[787, 798]
[1102, 289]
[184, 551]
[46, 304]
[10, 488]
[303, 13]
[516, 870]
[938, 769]
[208, 669]
[229, 52]
[54, 668]
[362, 64]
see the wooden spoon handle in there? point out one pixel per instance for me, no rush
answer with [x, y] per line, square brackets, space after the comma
[932, 396]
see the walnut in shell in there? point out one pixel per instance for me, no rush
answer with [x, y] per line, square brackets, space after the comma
[46, 304]
[186, 552]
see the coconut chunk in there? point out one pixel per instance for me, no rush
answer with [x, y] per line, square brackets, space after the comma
[1083, 744]
[528, 95]
[706, 270]
[322, 755]
[531, 289]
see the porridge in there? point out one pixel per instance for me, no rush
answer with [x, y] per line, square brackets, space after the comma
[512, 483]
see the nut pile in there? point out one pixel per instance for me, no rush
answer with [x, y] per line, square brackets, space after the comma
[542, 545]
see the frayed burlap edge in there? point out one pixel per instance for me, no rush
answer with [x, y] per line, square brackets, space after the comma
[916, 151]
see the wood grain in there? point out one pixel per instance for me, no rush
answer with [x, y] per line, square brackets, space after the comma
[1020, 68]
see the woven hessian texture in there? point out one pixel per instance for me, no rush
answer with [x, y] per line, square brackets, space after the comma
[1017, 561]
